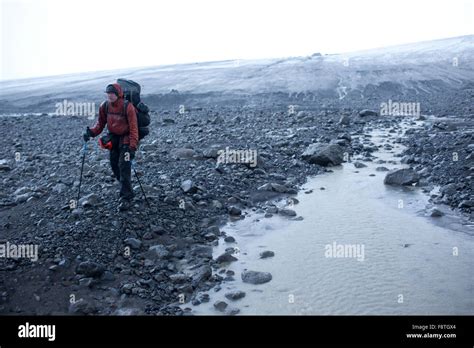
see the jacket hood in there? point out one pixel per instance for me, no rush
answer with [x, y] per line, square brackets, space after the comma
[118, 88]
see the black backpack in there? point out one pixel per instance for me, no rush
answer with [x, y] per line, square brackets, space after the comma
[131, 93]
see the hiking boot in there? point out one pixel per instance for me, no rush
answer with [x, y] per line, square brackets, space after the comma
[124, 205]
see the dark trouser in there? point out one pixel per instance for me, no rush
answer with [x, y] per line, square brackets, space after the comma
[122, 170]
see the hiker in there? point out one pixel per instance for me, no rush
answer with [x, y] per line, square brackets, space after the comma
[122, 138]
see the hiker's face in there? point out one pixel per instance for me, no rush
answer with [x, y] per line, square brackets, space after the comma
[111, 97]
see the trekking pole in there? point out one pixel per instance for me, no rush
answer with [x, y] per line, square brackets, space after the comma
[139, 182]
[84, 148]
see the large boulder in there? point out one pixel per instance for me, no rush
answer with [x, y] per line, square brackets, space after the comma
[324, 154]
[405, 176]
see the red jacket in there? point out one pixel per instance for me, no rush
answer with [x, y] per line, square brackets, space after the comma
[116, 122]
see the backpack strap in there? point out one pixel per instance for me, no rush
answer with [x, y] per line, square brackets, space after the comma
[124, 111]
[125, 106]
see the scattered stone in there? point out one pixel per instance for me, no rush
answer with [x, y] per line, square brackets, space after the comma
[345, 120]
[90, 200]
[229, 239]
[436, 212]
[254, 277]
[225, 258]
[359, 165]
[133, 243]
[267, 253]
[184, 153]
[233, 311]
[233, 210]
[401, 177]
[81, 306]
[367, 112]
[77, 212]
[273, 187]
[4, 166]
[220, 306]
[59, 188]
[287, 212]
[201, 274]
[235, 295]
[179, 278]
[466, 204]
[90, 269]
[22, 198]
[188, 187]
[86, 282]
[158, 252]
[323, 154]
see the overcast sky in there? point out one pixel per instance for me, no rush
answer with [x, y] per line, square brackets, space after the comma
[50, 37]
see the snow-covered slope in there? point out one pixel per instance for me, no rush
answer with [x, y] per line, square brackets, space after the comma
[450, 61]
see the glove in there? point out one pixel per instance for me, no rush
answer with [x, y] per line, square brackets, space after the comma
[87, 135]
[126, 149]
